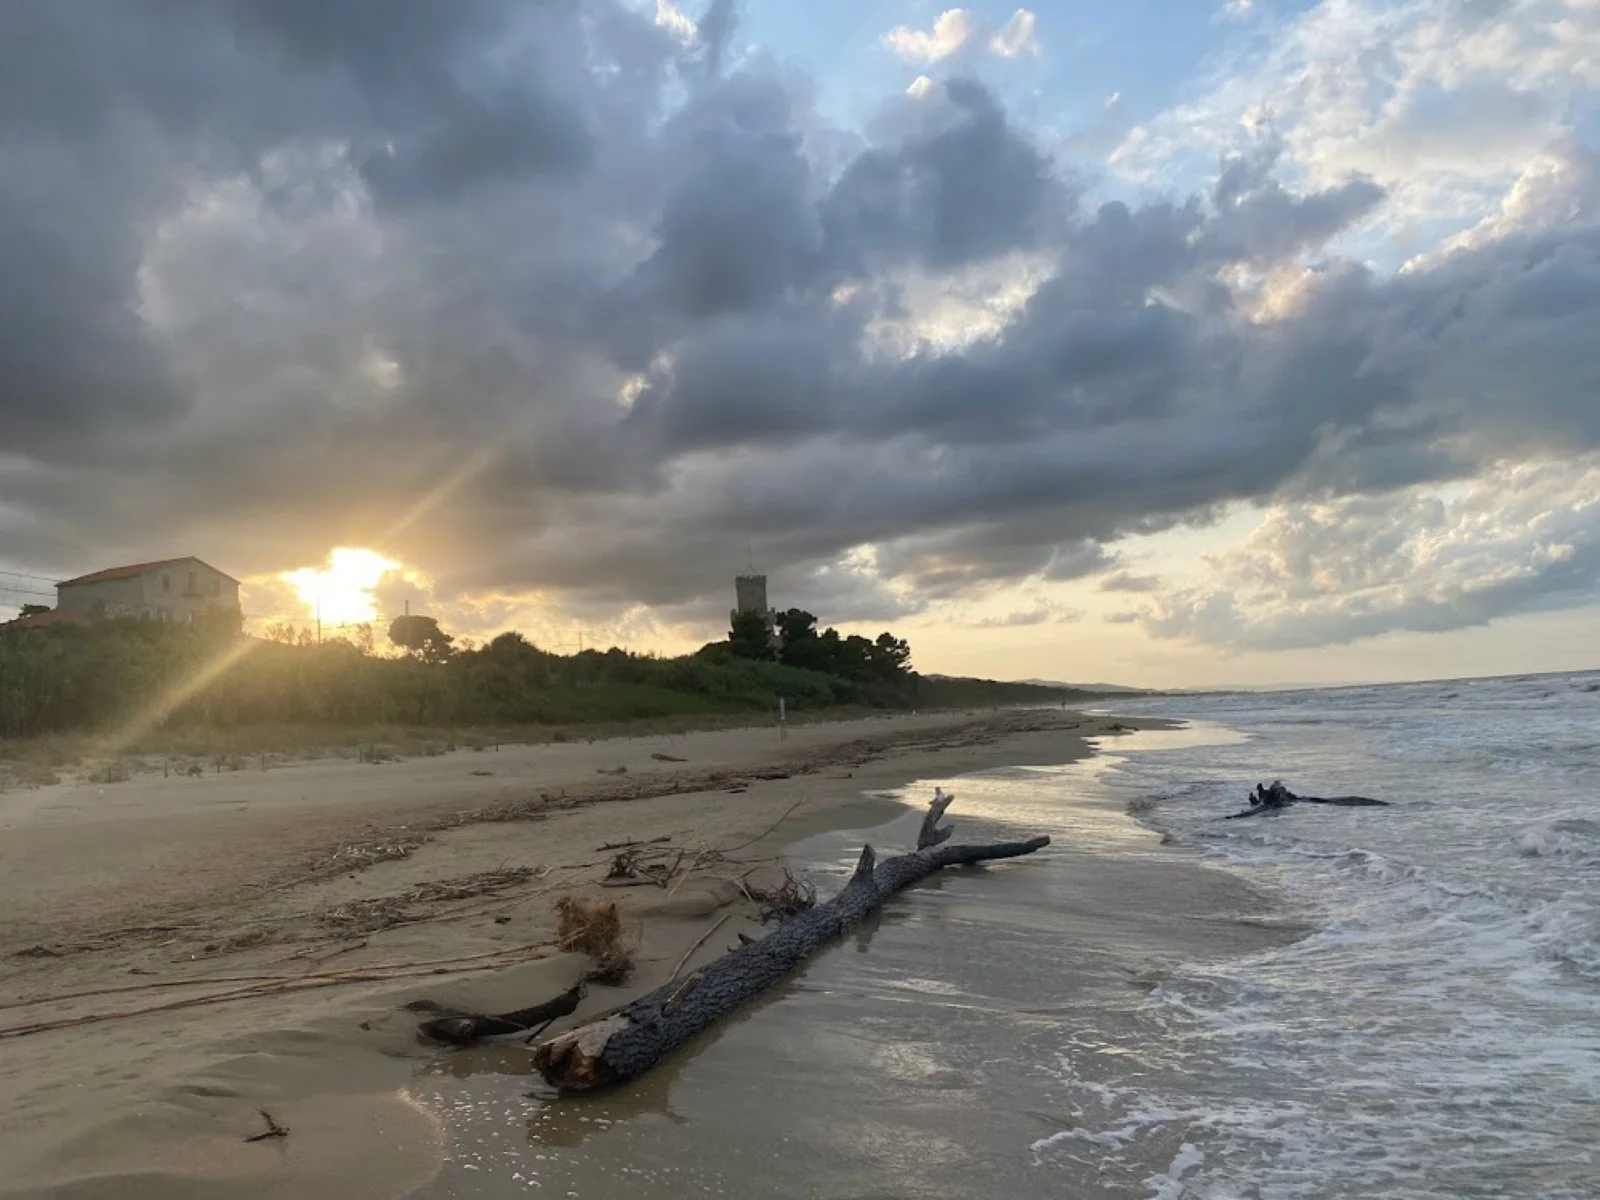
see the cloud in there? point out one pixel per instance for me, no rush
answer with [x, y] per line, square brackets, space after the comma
[673, 19]
[1041, 613]
[952, 31]
[956, 31]
[1443, 105]
[1126, 581]
[1558, 186]
[1521, 539]
[1017, 36]
[576, 312]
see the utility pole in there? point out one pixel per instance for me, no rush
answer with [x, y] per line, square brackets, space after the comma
[319, 620]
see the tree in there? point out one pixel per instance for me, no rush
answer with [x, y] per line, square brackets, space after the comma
[34, 610]
[510, 645]
[718, 652]
[796, 625]
[891, 655]
[748, 637]
[422, 637]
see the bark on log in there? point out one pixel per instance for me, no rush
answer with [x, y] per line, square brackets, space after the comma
[628, 1042]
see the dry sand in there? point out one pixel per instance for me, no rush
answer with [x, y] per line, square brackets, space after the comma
[323, 895]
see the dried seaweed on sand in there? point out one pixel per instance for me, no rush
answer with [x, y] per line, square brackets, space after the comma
[594, 927]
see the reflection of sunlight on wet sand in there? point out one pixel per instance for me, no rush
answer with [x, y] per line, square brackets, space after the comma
[1072, 801]
[1189, 734]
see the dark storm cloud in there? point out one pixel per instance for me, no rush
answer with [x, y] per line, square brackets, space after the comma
[545, 298]
[1257, 218]
[963, 186]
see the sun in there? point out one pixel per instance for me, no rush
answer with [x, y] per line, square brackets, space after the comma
[341, 592]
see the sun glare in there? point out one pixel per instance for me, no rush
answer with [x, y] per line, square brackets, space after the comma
[341, 592]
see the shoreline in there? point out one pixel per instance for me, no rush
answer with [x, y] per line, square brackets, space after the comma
[157, 1122]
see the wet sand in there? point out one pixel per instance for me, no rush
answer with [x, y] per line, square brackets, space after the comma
[123, 905]
[926, 1055]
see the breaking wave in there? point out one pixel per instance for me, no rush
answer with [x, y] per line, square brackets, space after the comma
[1438, 1035]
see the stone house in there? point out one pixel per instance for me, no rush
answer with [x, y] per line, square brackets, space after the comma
[185, 590]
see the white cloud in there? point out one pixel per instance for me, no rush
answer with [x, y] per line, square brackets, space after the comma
[919, 87]
[1237, 10]
[1520, 538]
[951, 309]
[952, 30]
[675, 21]
[957, 30]
[1016, 37]
[1445, 105]
[1559, 186]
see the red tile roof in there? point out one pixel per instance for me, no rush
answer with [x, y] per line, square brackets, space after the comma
[134, 570]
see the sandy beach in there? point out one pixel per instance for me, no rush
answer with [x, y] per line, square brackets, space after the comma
[321, 896]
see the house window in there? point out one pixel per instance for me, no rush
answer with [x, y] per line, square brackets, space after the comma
[166, 583]
[216, 587]
[193, 587]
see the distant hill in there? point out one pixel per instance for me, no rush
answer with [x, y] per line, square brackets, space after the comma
[1086, 687]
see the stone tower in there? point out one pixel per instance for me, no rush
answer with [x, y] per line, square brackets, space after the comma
[750, 596]
[750, 593]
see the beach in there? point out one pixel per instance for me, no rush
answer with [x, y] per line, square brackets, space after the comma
[324, 895]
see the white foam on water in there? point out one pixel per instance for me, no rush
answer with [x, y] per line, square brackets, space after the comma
[1573, 836]
[1439, 1034]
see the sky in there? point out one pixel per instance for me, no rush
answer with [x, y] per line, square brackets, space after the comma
[1159, 343]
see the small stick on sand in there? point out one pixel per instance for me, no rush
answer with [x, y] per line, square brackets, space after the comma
[273, 1130]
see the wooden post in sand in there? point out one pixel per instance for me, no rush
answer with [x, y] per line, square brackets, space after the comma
[629, 1041]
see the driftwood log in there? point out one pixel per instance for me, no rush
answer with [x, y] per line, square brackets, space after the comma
[629, 1041]
[1277, 798]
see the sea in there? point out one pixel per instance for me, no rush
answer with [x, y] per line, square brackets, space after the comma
[1438, 1034]
[1397, 1002]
